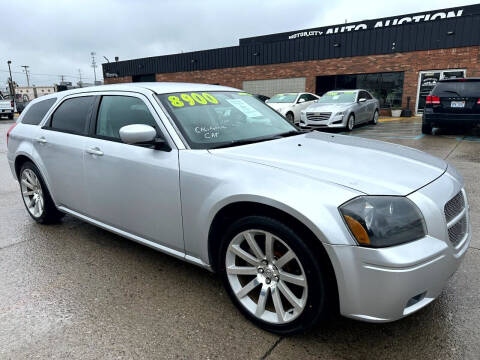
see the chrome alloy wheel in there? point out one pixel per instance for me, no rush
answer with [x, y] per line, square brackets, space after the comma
[266, 276]
[375, 117]
[32, 193]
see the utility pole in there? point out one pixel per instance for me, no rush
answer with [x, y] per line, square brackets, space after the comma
[94, 65]
[26, 73]
[80, 83]
[11, 87]
[62, 78]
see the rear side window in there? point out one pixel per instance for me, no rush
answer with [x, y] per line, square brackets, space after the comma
[73, 114]
[37, 112]
[457, 88]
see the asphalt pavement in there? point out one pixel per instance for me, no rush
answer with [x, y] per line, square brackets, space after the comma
[72, 290]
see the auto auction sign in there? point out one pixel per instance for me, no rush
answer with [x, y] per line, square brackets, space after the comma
[368, 24]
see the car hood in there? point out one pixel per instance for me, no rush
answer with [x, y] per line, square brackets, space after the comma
[328, 107]
[369, 166]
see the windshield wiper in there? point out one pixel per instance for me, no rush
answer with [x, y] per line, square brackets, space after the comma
[255, 140]
[239, 142]
[287, 134]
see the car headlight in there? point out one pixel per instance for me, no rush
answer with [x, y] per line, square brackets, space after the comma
[381, 221]
[340, 113]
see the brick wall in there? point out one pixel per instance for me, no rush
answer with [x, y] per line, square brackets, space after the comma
[411, 63]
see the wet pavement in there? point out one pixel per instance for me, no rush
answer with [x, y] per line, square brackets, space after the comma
[72, 290]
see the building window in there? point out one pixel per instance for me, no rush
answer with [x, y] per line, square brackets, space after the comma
[387, 87]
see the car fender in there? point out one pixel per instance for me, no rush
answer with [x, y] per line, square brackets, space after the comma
[210, 182]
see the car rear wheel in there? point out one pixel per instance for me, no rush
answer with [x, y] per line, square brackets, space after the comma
[272, 276]
[290, 117]
[426, 128]
[35, 195]
[350, 122]
[375, 118]
[10, 116]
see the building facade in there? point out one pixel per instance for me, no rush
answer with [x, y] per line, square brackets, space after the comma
[399, 59]
[27, 93]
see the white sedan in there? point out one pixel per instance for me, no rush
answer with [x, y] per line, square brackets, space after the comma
[291, 104]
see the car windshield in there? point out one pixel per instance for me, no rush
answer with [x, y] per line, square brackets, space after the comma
[283, 98]
[338, 97]
[457, 88]
[220, 119]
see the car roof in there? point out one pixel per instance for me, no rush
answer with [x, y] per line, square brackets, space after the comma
[156, 87]
[460, 79]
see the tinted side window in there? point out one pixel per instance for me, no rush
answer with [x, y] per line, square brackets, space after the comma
[118, 111]
[310, 97]
[303, 96]
[37, 111]
[73, 114]
[367, 95]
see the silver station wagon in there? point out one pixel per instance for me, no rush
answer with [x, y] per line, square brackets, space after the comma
[297, 224]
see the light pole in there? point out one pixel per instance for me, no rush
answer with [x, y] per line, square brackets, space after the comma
[11, 87]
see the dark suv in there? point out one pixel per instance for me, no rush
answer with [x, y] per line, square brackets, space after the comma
[453, 103]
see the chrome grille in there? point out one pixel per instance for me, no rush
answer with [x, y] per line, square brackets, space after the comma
[458, 231]
[318, 116]
[454, 206]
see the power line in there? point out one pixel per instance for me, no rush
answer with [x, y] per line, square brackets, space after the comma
[38, 74]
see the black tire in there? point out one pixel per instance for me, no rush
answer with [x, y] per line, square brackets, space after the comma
[10, 116]
[426, 128]
[375, 116]
[350, 122]
[290, 117]
[319, 301]
[50, 212]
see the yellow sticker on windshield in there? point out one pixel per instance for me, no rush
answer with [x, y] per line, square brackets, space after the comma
[244, 93]
[192, 99]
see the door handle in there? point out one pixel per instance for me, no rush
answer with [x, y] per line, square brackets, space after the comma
[41, 140]
[95, 151]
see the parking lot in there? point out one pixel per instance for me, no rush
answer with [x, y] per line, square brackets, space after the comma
[72, 290]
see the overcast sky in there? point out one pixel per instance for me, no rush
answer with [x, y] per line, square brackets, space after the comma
[56, 37]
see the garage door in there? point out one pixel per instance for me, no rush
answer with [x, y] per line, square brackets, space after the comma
[275, 86]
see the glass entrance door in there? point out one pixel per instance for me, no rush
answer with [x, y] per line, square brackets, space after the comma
[428, 79]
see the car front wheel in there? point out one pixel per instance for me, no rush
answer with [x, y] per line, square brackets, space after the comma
[350, 122]
[272, 276]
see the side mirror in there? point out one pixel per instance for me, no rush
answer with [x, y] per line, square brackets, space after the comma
[141, 134]
[362, 100]
[301, 101]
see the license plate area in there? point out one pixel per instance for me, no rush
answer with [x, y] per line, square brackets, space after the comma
[457, 104]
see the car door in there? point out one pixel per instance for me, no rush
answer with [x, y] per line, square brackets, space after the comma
[362, 108]
[131, 187]
[371, 106]
[60, 145]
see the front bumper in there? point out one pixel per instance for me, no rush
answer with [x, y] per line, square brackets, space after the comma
[382, 285]
[333, 122]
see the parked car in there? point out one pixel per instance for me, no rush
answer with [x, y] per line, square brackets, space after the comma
[453, 103]
[261, 97]
[341, 109]
[291, 104]
[297, 224]
[7, 107]
[21, 105]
